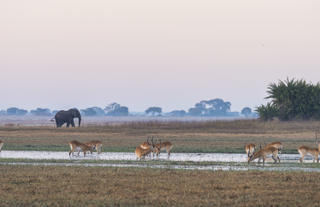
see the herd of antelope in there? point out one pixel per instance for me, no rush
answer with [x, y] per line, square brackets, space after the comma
[85, 147]
[151, 146]
[141, 151]
[274, 149]
[146, 148]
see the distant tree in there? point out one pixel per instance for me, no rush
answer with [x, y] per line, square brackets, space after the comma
[54, 112]
[195, 111]
[217, 107]
[12, 111]
[3, 112]
[246, 111]
[121, 111]
[93, 111]
[115, 109]
[154, 111]
[214, 107]
[41, 112]
[177, 113]
[111, 107]
[16, 111]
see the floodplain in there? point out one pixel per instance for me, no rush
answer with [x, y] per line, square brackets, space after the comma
[207, 166]
[187, 136]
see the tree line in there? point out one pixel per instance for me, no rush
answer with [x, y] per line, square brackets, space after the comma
[291, 99]
[205, 108]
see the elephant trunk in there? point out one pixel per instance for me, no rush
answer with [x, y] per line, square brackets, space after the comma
[79, 120]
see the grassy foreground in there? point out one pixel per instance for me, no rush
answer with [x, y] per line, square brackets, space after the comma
[81, 186]
[208, 136]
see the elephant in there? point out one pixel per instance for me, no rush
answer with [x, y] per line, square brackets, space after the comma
[62, 117]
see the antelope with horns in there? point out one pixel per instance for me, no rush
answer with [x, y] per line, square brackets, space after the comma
[167, 146]
[144, 149]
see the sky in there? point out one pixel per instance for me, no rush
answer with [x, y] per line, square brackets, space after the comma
[170, 53]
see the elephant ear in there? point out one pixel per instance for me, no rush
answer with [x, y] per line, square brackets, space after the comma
[75, 112]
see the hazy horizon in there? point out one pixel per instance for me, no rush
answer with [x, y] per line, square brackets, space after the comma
[172, 54]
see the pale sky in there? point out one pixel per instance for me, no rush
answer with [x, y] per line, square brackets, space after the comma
[60, 54]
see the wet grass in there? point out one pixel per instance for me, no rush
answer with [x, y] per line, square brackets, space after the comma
[98, 186]
[202, 137]
[166, 163]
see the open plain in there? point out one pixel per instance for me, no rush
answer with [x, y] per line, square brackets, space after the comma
[187, 136]
[81, 182]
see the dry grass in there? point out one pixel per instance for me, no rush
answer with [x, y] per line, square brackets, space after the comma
[210, 136]
[86, 186]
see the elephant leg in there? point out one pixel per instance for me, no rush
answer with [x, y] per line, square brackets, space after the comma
[68, 124]
[72, 123]
[58, 123]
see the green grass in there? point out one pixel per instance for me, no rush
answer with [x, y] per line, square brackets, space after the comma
[28, 147]
[195, 137]
[160, 162]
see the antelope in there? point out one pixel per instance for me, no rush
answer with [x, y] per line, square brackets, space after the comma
[75, 145]
[1, 145]
[277, 145]
[144, 149]
[95, 145]
[146, 145]
[262, 154]
[304, 150]
[250, 149]
[163, 146]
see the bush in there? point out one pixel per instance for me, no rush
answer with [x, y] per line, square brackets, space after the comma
[292, 99]
[267, 112]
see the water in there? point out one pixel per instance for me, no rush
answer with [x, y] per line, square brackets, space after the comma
[195, 157]
[125, 156]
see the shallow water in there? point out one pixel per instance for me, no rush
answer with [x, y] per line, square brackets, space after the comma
[125, 156]
[195, 157]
